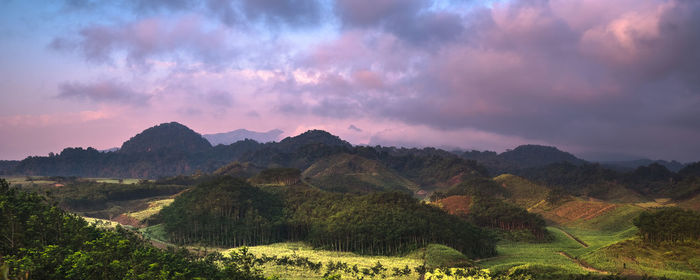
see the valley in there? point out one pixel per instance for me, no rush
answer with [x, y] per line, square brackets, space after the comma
[313, 206]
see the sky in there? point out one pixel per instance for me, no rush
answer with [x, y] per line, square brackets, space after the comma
[601, 79]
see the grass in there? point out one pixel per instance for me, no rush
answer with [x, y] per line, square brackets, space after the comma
[614, 220]
[523, 192]
[156, 232]
[101, 223]
[633, 256]
[27, 181]
[513, 254]
[437, 255]
[303, 250]
[153, 208]
[115, 181]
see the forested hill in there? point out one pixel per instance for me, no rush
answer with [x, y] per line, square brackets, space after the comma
[522, 157]
[168, 137]
[172, 149]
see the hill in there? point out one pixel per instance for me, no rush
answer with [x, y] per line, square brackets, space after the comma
[312, 137]
[635, 257]
[227, 138]
[526, 156]
[629, 165]
[238, 169]
[355, 174]
[523, 192]
[166, 137]
[226, 211]
[522, 157]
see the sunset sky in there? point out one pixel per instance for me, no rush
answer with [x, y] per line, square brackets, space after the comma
[599, 78]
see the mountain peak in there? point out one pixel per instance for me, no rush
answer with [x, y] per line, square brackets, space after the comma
[537, 155]
[314, 136]
[171, 136]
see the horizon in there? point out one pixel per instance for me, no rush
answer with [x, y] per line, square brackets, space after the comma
[284, 135]
[592, 78]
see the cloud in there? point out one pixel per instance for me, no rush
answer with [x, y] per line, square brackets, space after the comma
[102, 92]
[354, 128]
[277, 12]
[528, 69]
[410, 20]
[595, 75]
[151, 38]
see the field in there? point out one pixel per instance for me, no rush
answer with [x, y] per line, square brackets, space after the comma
[677, 261]
[303, 250]
[153, 208]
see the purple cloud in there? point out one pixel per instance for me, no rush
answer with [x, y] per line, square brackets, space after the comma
[102, 92]
[150, 38]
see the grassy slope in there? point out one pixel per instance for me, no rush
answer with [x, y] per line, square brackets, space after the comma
[692, 203]
[153, 208]
[523, 192]
[355, 171]
[512, 254]
[676, 261]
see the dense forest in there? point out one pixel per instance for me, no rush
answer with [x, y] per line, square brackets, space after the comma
[595, 180]
[40, 241]
[229, 212]
[668, 224]
[488, 209]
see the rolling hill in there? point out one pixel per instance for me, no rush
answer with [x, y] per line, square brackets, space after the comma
[355, 174]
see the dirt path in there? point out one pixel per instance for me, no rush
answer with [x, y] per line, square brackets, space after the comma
[573, 237]
[582, 264]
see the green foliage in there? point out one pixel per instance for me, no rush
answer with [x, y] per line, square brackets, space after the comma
[382, 223]
[668, 224]
[436, 255]
[478, 186]
[224, 211]
[277, 176]
[355, 174]
[40, 241]
[496, 213]
[229, 212]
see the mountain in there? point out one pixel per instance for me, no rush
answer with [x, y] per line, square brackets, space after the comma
[312, 137]
[628, 165]
[522, 157]
[166, 137]
[231, 137]
[355, 174]
[526, 156]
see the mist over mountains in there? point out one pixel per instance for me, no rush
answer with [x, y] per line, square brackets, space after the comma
[172, 149]
[227, 138]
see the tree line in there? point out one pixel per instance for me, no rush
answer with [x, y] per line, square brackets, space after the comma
[229, 212]
[41, 241]
[668, 224]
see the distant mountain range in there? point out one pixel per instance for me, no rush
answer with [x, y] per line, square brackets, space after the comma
[325, 160]
[227, 138]
[627, 165]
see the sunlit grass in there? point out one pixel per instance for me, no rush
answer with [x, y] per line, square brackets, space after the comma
[153, 208]
[101, 223]
[511, 254]
[303, 250]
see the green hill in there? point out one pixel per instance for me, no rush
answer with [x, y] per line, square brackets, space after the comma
[523, 192]
[635, 257]
[355, 174]
[238, 169]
